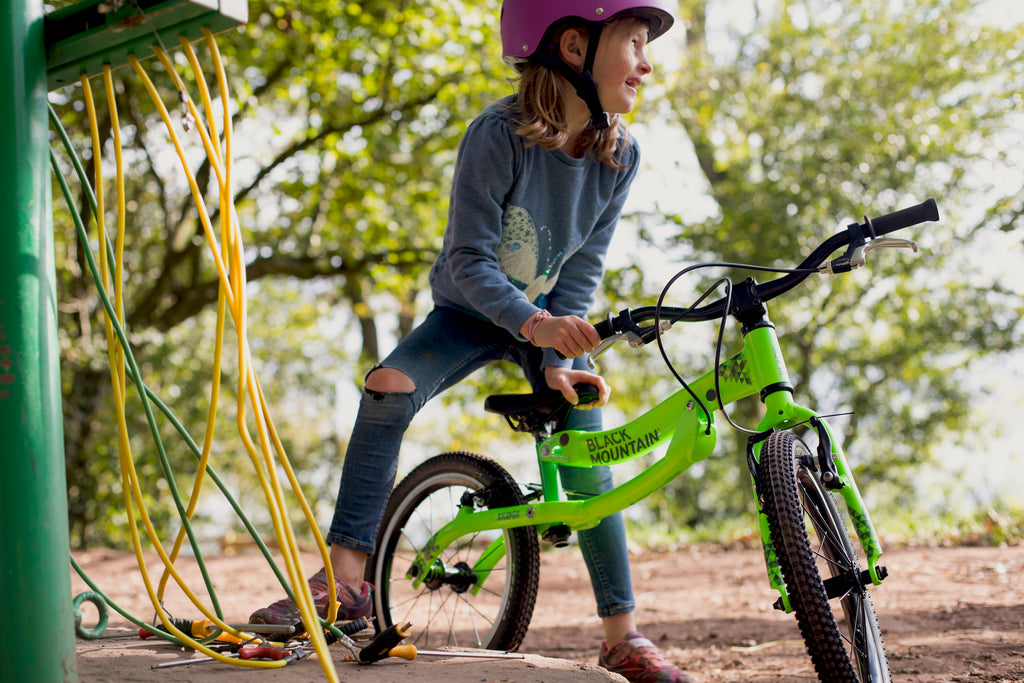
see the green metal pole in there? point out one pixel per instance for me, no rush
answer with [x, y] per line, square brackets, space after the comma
[35, 583]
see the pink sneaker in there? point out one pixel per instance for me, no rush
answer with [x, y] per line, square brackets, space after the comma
[351, 605]
[638, 660]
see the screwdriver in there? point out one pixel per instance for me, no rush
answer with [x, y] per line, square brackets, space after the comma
[387, 644]
[386, 641]
[410, 651]
[267, 651]
[205, 628]
[271, 652]
[196, 629]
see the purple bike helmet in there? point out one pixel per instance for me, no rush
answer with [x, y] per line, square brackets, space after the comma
[525, 23]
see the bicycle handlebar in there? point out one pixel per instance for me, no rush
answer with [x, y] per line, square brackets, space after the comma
[855, 237]
[926, 211]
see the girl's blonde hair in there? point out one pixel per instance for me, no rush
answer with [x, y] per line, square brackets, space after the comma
[542, 94]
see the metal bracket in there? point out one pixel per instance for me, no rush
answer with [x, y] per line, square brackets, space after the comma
[83, 37]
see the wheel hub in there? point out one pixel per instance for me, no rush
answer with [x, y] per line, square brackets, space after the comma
[459, 578]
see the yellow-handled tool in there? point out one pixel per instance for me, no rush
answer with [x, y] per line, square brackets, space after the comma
[388, 643]
[410, 651]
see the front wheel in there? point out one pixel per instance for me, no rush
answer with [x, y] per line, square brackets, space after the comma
[482, 589]
[835, 616]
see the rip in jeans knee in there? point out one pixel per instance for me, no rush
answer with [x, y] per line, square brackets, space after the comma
[393, 381]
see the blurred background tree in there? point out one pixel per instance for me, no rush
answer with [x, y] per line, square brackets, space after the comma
[347, 117]
[817, 113]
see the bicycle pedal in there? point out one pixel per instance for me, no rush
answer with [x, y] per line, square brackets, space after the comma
[557, 535]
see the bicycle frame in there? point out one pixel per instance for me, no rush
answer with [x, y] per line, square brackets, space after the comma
[689, 432]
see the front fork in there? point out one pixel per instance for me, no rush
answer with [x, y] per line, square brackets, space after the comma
[830, 460]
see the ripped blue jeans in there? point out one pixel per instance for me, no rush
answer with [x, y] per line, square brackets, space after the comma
[443, 350]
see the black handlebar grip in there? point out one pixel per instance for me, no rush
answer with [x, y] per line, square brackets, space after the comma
[606, 327]
[927, 210]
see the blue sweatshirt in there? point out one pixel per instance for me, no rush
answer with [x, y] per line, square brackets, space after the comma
[528, 227]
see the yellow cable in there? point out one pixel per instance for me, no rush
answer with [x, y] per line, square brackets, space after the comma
[229, 261]
[248, 385]
[193, 186]
[132, 482]
[260, 399]
[225, 287]
[213, 152]
[278, 506]
[204, 93]
[129, 479]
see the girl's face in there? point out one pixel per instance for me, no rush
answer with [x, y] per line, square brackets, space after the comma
[620, 64]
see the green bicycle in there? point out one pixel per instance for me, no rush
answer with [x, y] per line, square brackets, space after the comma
[458, 553]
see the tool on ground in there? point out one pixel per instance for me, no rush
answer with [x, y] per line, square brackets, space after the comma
[389, 644]
[198, 659]
[387, 641]
[298, 649]
[203, 629]
[289, 653]
[331, 637]
[477, 654]
[254, 649]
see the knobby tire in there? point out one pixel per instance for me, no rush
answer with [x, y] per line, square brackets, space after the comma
[446, 609]
[841, 633]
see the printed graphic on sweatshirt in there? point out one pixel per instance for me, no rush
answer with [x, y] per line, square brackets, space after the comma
[519, 253]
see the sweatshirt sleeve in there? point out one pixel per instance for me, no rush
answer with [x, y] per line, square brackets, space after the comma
[581, 274]
[484, 173]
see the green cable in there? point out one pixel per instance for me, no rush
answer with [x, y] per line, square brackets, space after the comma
[147, 392]
[101, 605]
[130, 358]
[117, 608]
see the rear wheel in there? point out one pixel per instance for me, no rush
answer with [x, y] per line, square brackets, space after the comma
[835, 615]
[463, 601]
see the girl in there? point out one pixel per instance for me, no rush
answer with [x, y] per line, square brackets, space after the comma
[539, 184]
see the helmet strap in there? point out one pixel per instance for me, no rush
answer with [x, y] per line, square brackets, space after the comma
[587, 85]
[583, 82]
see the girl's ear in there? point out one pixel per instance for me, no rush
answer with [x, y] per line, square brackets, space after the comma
[572, 47]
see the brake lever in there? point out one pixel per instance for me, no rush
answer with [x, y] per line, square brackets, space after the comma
[855, 258]
[604, 346]
[892, 243]
[635, 340]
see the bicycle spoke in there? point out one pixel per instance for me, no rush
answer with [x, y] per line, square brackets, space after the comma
[471, 613]
[449, 602]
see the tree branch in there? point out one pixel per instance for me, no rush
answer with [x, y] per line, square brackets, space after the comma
[187, 302]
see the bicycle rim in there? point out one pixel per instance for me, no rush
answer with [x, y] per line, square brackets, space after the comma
[456, 605]
[836, 617]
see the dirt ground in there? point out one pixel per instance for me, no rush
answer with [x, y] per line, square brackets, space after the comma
[947, 614]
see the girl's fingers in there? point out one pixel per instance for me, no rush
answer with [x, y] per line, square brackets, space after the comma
[569, 335]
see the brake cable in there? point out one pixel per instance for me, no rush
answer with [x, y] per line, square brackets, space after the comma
[720, 340]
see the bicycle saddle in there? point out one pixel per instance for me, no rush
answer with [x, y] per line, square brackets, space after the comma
[533, 411]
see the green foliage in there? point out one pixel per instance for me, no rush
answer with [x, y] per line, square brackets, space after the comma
[1001, 523]
[346, 119]
[822, 112]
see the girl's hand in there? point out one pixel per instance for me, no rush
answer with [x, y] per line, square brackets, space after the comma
[562, 379]
[570, 335]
